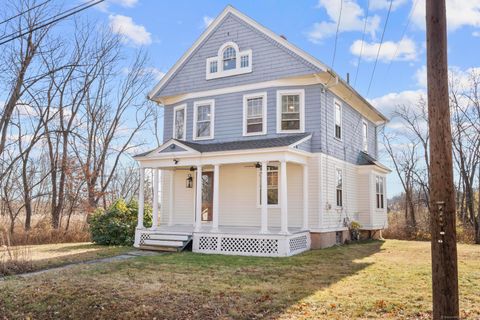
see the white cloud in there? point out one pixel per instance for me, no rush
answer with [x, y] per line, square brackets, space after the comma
[460, 13]
[104, 6]
[157, 73]
[207, 21]
[387, 103]
[421, 77]
[404, 50]
[131, 32]
[385, 4]
[476, 33]
[353, 19]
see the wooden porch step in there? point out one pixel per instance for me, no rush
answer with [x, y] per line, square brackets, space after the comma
[165, 243]
[162, 236]
[159, 248]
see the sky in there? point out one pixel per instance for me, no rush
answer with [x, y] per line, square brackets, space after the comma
[166, 29]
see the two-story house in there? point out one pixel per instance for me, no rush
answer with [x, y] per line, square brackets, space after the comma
[266, 150]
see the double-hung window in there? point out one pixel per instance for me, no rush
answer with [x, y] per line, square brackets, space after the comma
[339, 187]
[255, 114]
[379, 186]
[229, 58]
[272, 185]
[179, 122]
[204, 115]
[338, 120]
[290, 111]
[365, 135]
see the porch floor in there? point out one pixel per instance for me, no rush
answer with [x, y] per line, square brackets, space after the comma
[207, 228]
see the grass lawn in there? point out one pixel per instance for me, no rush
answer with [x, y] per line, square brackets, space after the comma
[37, 257]
[384, 280]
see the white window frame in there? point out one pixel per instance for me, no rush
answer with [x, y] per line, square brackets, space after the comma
[301, 94]
[337, 169]
[365, 136]
[219, 59]
[196, 104]
[379, 191]
[262, 95]
[339, 103]
[175, 109]
[259, 191]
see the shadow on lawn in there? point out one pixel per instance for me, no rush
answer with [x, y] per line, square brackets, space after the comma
[248, 287]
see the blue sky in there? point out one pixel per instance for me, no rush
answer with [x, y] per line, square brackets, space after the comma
[166, 29]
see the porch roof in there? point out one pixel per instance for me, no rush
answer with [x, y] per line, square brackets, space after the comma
[283, 141]
[365, 159]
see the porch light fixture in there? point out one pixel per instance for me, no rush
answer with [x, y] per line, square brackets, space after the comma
[189, 181]
[175, 161]
[258, 165]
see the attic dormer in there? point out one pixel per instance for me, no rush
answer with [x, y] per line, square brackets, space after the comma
[229, 61]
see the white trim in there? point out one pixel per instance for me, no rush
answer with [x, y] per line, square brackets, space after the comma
[365, 137]
[175, 109]
[219, 59]
[301, 94]
[262, 95]
[196, 104]
[158, 151]
[339, 103]
[212, 27]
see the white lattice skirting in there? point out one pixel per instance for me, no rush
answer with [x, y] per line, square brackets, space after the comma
[272, 245]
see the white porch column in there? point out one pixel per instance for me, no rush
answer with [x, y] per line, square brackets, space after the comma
[198, 203]
[216, 183]
[264, 197]
[141, 199]
[156, 172]
[305, 196]
[283, 197]
[171, 197]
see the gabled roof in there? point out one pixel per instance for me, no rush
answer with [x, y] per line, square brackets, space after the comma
[329, 74]
[284, 141]
[231, 10]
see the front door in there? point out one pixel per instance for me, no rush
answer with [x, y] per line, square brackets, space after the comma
[207, 196]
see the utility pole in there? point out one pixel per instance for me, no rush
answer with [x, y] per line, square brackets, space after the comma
[442, 191]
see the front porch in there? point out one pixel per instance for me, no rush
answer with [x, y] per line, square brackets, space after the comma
[232, 240]
[217, 200]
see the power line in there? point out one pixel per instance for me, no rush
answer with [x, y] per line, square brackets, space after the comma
[56, 18]
[336, 34]
[403, 36]
[361, 48]
[379, 47]
[23, 12]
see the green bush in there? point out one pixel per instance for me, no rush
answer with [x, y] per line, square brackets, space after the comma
[116, 225]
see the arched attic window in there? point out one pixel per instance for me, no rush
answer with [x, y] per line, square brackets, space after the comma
[229, 61]
[229, 58]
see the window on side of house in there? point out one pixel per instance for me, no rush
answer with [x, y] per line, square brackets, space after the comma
[290, 111]
[254, 113]
[244, 61]
[379, 186]
[272, 185]
[203, 120]
[365, 136]
[179, 122]
[213, 66]
[339, 187]
[229, 58]
[338, 120]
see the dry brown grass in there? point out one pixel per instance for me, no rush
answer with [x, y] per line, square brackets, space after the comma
[397, 229]
[381, 280]
[43, 233]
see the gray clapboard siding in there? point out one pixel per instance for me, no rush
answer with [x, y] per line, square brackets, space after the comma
[176, 148]
[270, 60]
[319, 121]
